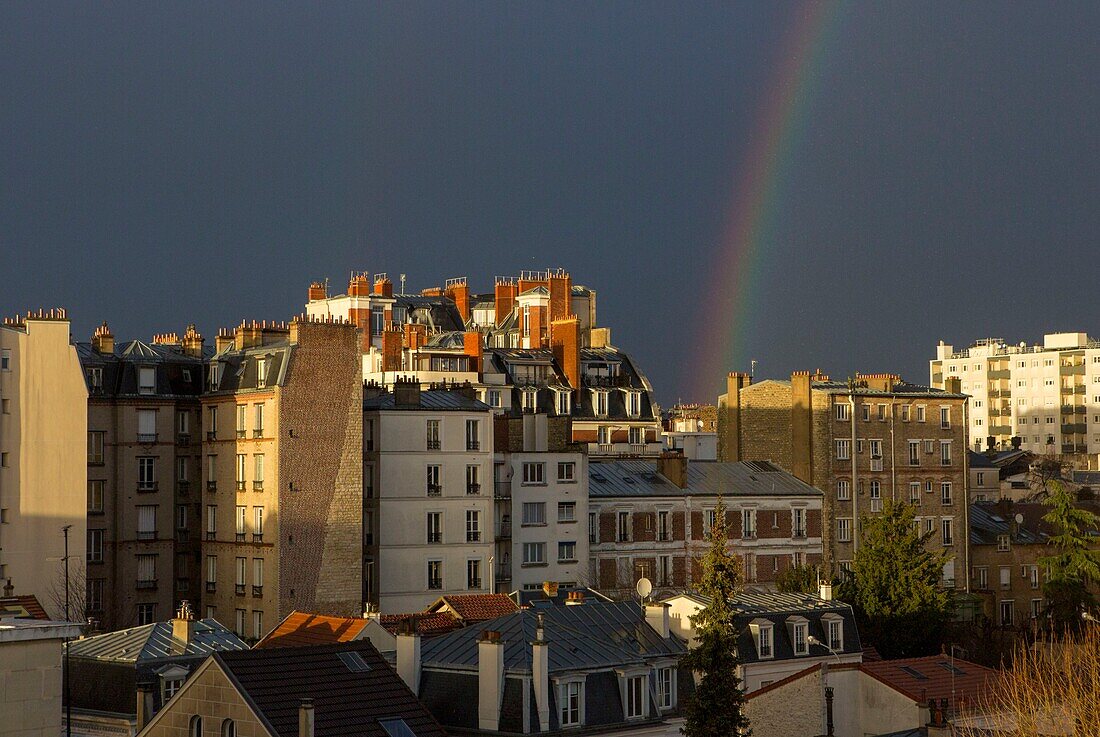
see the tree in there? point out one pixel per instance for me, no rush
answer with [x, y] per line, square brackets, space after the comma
[799, 580]
[78, 590]
[895, 585]
[717, 707]
[1074, 566]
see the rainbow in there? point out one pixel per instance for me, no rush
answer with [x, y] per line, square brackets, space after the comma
[749, 227]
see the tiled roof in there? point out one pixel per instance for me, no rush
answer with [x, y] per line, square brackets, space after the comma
[346, 702]
[22, 607]
[151, 642]
[629, 478]
[474, 608]
[933, 677]
[427, 624]
[304, 628]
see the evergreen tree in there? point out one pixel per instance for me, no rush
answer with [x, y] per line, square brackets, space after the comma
[1076, 563]
[895, 585]
[717, 707]
[799, 580]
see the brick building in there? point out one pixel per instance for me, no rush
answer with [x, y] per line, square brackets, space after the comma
[908, 443]
[650, 520]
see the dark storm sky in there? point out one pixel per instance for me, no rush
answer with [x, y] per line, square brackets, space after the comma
[165, 163]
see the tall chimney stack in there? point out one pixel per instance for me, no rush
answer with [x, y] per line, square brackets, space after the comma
[305, 718]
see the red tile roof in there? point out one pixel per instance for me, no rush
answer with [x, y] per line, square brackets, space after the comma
[304, 628]
[930, 677]
[428, 624]
[24, 607]
[474, 608]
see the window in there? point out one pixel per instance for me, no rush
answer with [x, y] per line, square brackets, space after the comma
[664, 570]
[147, 425]
[241, 569]
[665, 681]
[147, 474]
[921, 413]
[876, 449]
[914, 492]
[567, 552]
[865, 412]
[843, 450]
[567, 472]
[843, 530]
[599, 402]
[603, 435]
[146, 571]
[95, 546]
[800, 645]
[748, 523]
[982, 576]
[634, 435]
[147, 613]
[1007, 608]
[96, 587]
[528, 399]
[258, 416]
[229, 729]
[1033, 576]
[242, 420]
[981, 478]
[914, 452]
[1036, 608]
[473, 435]
[181, 471]
[843, 489]
[664, 532]
[434, 487]
[567, 511]
[635, 697]
[241, 515]
[473, 526]
[534, 553]
[534, 473]
[882, 413]
[569, 698]
[211, 571]
[95, 497]
[562, 402]
[798, 522]
[147, 522]
[593, 527]
[258, 477]
[5, 359]
[945, 452]
[238, 622]
[194, 727]
[945, 493]
[435, 527]
[473, 574]
[836, 634]
[473, 476]
[211, 521]
[764, 642]
[534, 513]
[622, 527]
[1006, 577]
[946, 527]
[905, 413]
[494, 397]
[257, 575]
[240, 471]
[261, 377]
[432, 427]
[257, 524]
[841, 412]
[147, 380]
[368, 434]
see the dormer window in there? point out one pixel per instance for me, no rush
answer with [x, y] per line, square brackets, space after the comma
[563, 404]
[95, 378]
[261, 373]
[764, 647]
[633, 403]
[798, 629]
[833, 625]
[599, 402]
[213, 376]
[147, 380]
[529, 400]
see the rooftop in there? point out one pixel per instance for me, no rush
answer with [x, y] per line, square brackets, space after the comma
[704, 478]
[24, 607]
[154, 641]
[474, 608]
[933, 677]
[430, 399]
[304, 628]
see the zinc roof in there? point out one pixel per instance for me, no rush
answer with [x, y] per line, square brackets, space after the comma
[430, 399]
[151, 642]
[635, 477]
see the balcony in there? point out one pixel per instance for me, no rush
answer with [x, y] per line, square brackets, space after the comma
[257, 591]
[1072, 369]
[473, 536]
[146, 487]
[502, 490]
[1077, 428]
[211, 435]
[147, 535]
[183, 487]
[474, 584]
[241, 433]
[211, 485]
[181, 536]
[473, 489]
[147, 437]
[435, 490]
[211, 587]
[433, 445]
[799, 533]
[258, 433]
[257, 537]
[435, 583]
[504, 530]
[238, 589]
[999, 374]
[258, 485]
[625, 450]
[473, 445]
[240, 485]
[149, 585]
[435, 538]
[240, 537]
[1074, 448]
[211, 535]
[607, 382]
[503, 575]
[183, 438]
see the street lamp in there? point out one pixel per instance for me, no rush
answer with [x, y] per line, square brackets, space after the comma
[68, 695]
[810, 639]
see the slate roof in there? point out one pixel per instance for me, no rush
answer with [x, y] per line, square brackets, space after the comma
[988, 522]
[474, 608]
[152, 642]
[980, 460]
[239, 368]
[22, 607]
[177, 374]
[1089, 478]
[902, 387]
[449, 340]
[588, 637]
[930, 677]
[633, 478]
[435, 400]
[304, 628]
[346, 702]
[439, 313]
[538, 598]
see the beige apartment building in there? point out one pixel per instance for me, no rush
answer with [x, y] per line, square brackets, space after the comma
[43, 431]
[282, 479]
[144, 453]
[861, 443]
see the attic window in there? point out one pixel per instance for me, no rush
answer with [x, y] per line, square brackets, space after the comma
[628, 479]
[396, 727]
[952, 669]
[599, 478]
[355, 663]
[914, 673]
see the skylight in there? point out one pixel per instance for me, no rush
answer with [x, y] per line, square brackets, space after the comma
[354, 662]
[396, 727]
[914, 672]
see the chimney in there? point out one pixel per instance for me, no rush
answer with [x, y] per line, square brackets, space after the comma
[504, 297]
[192, 342]
[560, 286]
[656, 616]
[408, 654]
[952, 385]
[358, 286]
[305, 718]
[458, 291]
[317, 291]
[9, 590]
[406, 392]
[550, 588]
[540, 673]
[575, 598]
[490, 680]
[673, 466]
[729, 409]
[102, 340]
[825, 590]
[472, 346]
[565, 336]
[144, 704]
[802, 457]
[223, 340]
[382, 285]
[183, 625]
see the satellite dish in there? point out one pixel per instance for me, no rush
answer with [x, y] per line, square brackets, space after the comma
[644, 587]
[1019, 519]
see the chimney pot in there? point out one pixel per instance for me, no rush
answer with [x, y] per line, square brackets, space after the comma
[306, 718]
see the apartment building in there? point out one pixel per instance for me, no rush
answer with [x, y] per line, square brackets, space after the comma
[531, 345]
[144, 461]
[541, 492]
[650, 519]
[282, 480]
[862, 442]
[1048, 395]
[42, 440]
[427, 464]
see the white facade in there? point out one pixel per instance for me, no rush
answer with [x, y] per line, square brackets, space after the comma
[1047, 395]
[696, 446]
[429, 505]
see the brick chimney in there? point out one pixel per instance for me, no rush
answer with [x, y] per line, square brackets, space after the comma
[192, 342]
[504, 297]
[729, 410]
[560, 286]
[881, 382]
[458, 291]
[391, 350]
[317, 291]
[802, 458]
[223, 340]
[359, 286]
[472, 346]
[672, 464]
[102, 340]
[383, 286]
[565, 343]
[406, 392]
[952, 385]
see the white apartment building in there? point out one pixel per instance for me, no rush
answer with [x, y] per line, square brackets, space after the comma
[428, 510]
[43, 447]
[1047, 395]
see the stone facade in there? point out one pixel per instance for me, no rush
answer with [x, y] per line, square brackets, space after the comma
[212, 697]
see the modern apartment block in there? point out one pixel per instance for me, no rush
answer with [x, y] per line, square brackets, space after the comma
[531, 345]
[541, 491]
[42, 443]
[282, 480]
[651, 519]
[428, 515]
[873, 439]
[144, 461]
[1047, 395]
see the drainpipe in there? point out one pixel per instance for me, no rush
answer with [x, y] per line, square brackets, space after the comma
[852, 454]
[893, 458]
